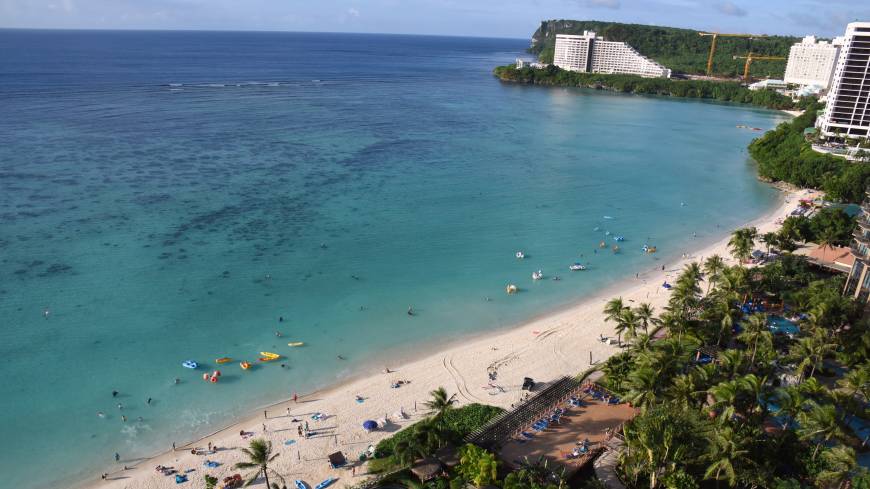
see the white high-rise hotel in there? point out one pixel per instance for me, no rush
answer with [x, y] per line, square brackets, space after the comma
[812, 62]
[590, 54]
[847, 112]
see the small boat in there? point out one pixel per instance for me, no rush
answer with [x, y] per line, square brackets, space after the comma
[608, 217]
[577, 266]
[245, 365]
[325, 483]
[300, 484]
[269, 354]
[537, 275]
[520, 255]
[189, 364]
[296, 343]
[223, 360]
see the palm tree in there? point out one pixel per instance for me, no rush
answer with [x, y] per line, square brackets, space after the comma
[725, 395]
[839, 463]
[713, 268]
[613, 312]
[629, 321]
[646, 314]
[790, 404]
[742, 241]
[821, 422]
[642, 386]
[756, 329]
[613, 309]
[856, 382]
[726, 451]
[769, 239]
[260, 455]
[811, 352]
[440, 403]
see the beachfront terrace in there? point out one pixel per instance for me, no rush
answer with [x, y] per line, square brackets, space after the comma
[573, 441]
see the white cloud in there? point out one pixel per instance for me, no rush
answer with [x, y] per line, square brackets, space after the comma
[353, 12]
[729, 8]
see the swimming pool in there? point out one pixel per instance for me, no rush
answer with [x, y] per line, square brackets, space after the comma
[781, 325]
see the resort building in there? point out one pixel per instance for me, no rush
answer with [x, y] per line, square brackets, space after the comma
[847, 113]
[858, 283]
[812, 62]
[591, 54]
[768, 84]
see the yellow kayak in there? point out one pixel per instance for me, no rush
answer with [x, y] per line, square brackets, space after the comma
[271, 355]
[224, 360]
[296, 343]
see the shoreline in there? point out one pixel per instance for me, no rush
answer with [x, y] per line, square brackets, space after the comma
[545, 347]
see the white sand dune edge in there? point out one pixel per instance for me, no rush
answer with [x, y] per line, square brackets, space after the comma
[544, 349]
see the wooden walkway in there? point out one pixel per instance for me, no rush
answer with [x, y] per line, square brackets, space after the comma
[605, 465]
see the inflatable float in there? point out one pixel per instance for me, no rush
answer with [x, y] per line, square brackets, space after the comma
[296, 343]
[223, 360]
[189, 364]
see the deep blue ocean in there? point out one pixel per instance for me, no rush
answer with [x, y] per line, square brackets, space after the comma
[169, 195]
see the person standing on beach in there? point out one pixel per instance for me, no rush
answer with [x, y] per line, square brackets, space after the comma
[295, 397]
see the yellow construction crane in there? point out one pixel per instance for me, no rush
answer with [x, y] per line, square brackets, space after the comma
[754, 57]
[717, 35]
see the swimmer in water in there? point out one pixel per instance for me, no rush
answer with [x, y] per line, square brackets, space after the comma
[280, 319]
[46, 313]
[410, 311]
[100, 414]
[278, 334]
[340, 357]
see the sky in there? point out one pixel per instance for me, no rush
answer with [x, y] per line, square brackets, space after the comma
[487, 18]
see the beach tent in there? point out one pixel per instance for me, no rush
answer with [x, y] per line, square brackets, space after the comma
[337, 460]
[369, 425]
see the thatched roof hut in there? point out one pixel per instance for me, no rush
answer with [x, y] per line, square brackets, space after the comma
[426, 469]
[448, 455]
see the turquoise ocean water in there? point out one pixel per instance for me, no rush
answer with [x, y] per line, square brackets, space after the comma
[169, 196]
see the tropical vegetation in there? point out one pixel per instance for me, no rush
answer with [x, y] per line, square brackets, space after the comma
[721, 91]
[785, 154]
[259, 455]
[725, 400]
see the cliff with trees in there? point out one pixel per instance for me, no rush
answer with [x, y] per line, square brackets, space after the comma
[681, 50]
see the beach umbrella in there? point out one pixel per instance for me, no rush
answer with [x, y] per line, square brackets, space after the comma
[369, 425]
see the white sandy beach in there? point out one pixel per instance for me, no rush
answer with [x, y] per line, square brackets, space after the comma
[544, 349]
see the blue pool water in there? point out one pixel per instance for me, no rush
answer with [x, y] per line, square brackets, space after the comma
[781, 325]
[168, 195]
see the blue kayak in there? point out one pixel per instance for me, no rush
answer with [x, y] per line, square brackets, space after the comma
[325, 483]
[300, 484]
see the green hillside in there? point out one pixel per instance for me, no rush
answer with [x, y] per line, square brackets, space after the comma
[681, 50]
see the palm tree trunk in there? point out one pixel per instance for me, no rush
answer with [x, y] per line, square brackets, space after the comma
[266, 475]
